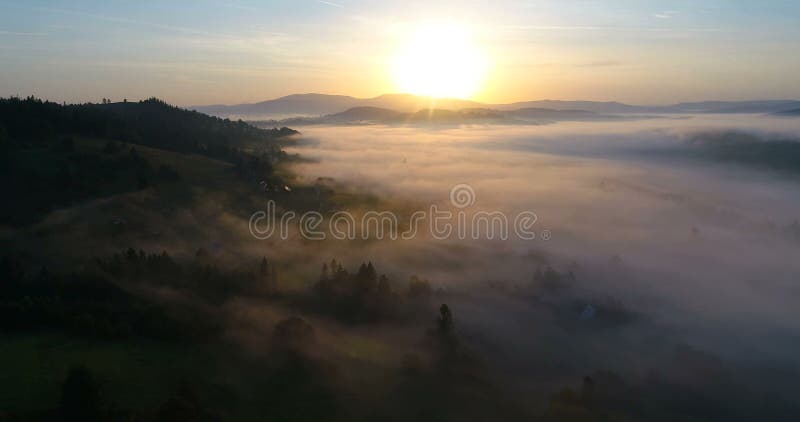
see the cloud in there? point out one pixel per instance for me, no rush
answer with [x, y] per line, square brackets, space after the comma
[114, 19]
[667, 14]
[23, 34]
[329, 3]
[610, 28]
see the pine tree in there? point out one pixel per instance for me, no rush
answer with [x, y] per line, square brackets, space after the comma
[371, 274]
[264, 268]
[445, 320]
[323, 277]
[384, 288]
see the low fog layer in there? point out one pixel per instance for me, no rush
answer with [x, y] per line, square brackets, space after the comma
[703, 250]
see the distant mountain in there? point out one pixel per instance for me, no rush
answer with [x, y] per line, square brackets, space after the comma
[762, 106]
[316, 105]
[412, 103]
[298, 105]
[546, 113]
[364, 114]
[378, 115]
[591, 106]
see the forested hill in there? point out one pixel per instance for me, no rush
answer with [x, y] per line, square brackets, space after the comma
[54, 155]
[150, 122]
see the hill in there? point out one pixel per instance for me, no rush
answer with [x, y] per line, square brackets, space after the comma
[377, 115]
[59, 155]
[365, 114]
[791, 113]
[591, 106]
[545, 113]
[151, 122]
[297, 104]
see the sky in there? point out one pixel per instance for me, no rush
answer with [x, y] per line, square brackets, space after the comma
[239, 51]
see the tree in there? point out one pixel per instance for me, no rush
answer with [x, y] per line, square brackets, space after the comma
[184, 405]
[384, 287]
[5, 143]
[293, 333]
[264, 271]
[141, 181]
[587, 391]
[323, 277]
[418, 288]
[445, 320]
[79, 396]
[370, 272]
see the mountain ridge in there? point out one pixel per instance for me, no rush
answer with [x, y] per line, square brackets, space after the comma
[366, 115]
[317, 105]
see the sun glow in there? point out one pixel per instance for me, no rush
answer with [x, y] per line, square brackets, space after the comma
[439, 60]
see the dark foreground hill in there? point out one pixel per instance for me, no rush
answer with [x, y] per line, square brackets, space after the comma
[150, 122]
[56, 155]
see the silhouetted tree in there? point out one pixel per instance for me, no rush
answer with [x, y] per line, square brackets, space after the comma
[185, 405]
[587, 391]
[418, 288]
[445, 321]
[264, 270]
[324, 276]
[384, 288]
[167, 174]
[293, 333]
[79, 396]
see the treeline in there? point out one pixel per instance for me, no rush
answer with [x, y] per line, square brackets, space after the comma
[200, 277]
[691, 386]
[85, 304]
[293, 380]
[359, 296]
[363, 295]
[59, 174]
[97, 303]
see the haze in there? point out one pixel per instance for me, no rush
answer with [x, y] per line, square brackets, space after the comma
[640, 192]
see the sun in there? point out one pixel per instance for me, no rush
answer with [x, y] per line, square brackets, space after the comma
[439, 60]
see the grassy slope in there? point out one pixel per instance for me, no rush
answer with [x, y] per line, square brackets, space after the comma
[133, 375]
[208, 206]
